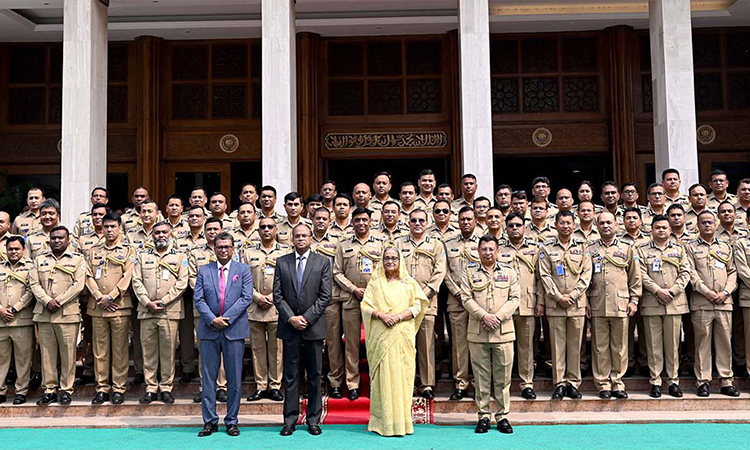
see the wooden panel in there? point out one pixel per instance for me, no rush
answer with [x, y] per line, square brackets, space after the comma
[621, 40]
[730, 135]
[309, 169]
[171, 169]
[204, 145]
[395, 141]
[570, 138]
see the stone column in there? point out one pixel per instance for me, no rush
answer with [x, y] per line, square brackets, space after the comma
[84, 107]
[279, 98]
[475, 92]
[673, 92]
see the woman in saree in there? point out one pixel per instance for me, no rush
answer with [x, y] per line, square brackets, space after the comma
[392, 309]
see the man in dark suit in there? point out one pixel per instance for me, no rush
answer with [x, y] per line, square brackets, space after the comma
[301, 292]
[223, 292]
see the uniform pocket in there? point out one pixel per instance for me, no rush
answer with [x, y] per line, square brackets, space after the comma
[622, 300]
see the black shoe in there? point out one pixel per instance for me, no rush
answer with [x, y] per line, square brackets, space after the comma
[65, 398]
[644, 371]
[100, 398]
[428, 394]
[528, 393]
[35, 380]
[198, 397]
[187, 377]
[483, 426]
[655, 391]
[630, 372]
[47, 399]
[675, 391]
[703, 390]
[458, 394]
[19, 400]
[84, 380]
[138, 379]
[257, 395]
[605, 394]
[504, 427]
[118, 398]
[573, 392]
[559, 393]
[620, 394]
[221, 395]
[233, 430]
[334, 393]
[208, 429]
[166, 397]
[3, 398]
[276, 395]
[287, 431]
[314, 430]
[353, 394]
[147, 398]
[730, 391]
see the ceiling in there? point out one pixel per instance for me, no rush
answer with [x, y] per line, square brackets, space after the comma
[41, 20]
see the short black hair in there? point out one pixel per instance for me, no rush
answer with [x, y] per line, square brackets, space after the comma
[35, 188]
[328, 182]
[586, 183]
[610, 183]
[359, 210]
[444, 185]
[675, 206]
[442, 201]
[224, 236]
[696, 185]
[50, 203]
[503, 186]
[407, 184]
[345, 196]
[726, 202]
[515, 215]
[218, 193]
[704, 212]
[175, 197]
[101, 188]
[481, 199]
[538, 180]
[198, 207]
[466, 208]
[314, 198]
[382, 173]
[292, 196]
[520, 195]
[391, 202]
[654, 185]
[425, 172]
[717, 172]
[243, 204]
[635, 210]
[659, 218]
[268, 187]
[487, 238]
[629, 183]
[562, 214]
[666, 172]
[322, 209]
[112, 217]
[163, 223]
[15, 238]
[211, 220]
[58, 228]
[200, 188]
[100, 205]
[244, 185]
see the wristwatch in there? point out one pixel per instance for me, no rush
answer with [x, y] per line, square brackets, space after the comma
[726, 293]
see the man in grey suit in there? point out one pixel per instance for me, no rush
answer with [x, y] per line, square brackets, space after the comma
[301, 292]
[223, 292]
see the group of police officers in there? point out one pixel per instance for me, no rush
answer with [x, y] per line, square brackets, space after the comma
[499, 275]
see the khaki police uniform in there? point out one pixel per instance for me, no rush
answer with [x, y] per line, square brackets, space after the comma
[691, 219]
[160, 277]
[450, 232]
[461, 254]
[712, 269]
[132, 220]
[636, 322]
[731, 237]
[338, 232]
[390, 236]
[285, 229]
[681, 200]
[83, 245]
[663, 268]
[245, 239]
[403, 215]
[587, 236]
[227, 222]
[275, 216]
[377, 205]
[713, 202]
[181, 230]
[62, 279]
[354, 263]
[743, 218]
[742, 260]
[648, 217]
[267, 351]
[491, 292]
[738, 323]
[541, 235]
[565, 270]
[615, 282]
[18, 334]
[37, 243]
[685, 237]
[140, 239]
[621, 207]
[83, 225]
[188, 243]
[26, 223]
[109, 272]
[523, 259]
[425, 262]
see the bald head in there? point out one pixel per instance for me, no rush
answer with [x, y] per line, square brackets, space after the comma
[607, 225]
[564, 199]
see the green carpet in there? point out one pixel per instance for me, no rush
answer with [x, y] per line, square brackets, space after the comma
[355, 437]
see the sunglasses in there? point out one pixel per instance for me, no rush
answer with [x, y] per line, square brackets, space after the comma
[515, 225]
[418, 220]
[267, 227]
[442, 211]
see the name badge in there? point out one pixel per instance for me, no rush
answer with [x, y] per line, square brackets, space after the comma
[366, 265]
[560, 270]
[656, 265]
[719, 265]
[98, 274]
[268, 270]
[165, 275]
[597, 267]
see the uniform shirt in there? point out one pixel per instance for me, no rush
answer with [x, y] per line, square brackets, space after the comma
[262, 264]
[691, 219]
[160, 278]
[83, 225]
[742, 261]
[648, 217]
[353, 265]
[37, 243]
[132, 220]
[712, 204]
[275, 216]
[181, 230]
[338, 232]
[61, 279]
[187, 243]
[450, 232]
[425, 205]
[722, 234]
[636, 241]
[326, 246]
[490, 292]
[711, 269]
[243, 239]
[743, 219]
[541, 235]
[683, 238]
[377, 205]
[284, 235]
[227, 223]
[403, 216]
[87, 241]
[564, 270]
[425, 262]
[26, 223]
[666, 268]
[15, 292]
[459, 203]
[621, 207]
[615, 279]
[587, 236]
[386, 235]
[523, 259]
[198, 257]
[139, 239]
[681, 199]
[461, 254]
[109, 272]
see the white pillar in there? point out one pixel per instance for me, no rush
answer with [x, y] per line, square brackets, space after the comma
[279, 96]
[84, 107]
[476, 106]
[673, 92]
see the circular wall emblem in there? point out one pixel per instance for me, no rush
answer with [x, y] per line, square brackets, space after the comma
[706, 134]
[229, 143]
[541, 137]
[59, 146]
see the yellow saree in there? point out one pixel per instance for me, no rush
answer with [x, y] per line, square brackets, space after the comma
[391, 351]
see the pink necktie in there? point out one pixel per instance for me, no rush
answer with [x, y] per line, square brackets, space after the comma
[222, 288]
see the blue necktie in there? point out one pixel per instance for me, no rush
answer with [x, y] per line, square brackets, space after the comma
[300, 271]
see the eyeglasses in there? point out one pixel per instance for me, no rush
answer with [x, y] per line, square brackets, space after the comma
[442, 211]
[656, 194]
[628, 192]
[418, 220]
[223, 247]
[515, 225]
[267, 227]
[391, 259]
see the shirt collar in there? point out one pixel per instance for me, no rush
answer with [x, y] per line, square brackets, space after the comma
[306, 255]
[226, 266]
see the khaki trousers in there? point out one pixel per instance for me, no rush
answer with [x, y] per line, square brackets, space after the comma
[426, 353]
[352, 319]
[135, 325]
[19, 340]
[459, 321]
[637, 352]
[110, 344]
[221, 379]
[566, 334]
[738, 333]
[492, 364]
[58, 340]
[188, 358]
[525, 330]
[708, 324]
[267, 356]
[158, 338]
[663, 338]
[333, 343]
[609, 341]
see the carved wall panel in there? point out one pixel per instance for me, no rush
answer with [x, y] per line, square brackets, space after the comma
[571, 138]
[205, 146]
